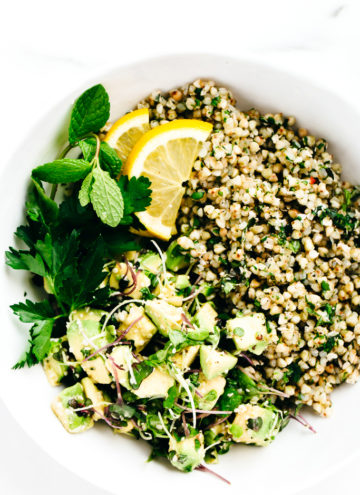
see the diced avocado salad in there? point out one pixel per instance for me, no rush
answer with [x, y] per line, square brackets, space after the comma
[128, 326]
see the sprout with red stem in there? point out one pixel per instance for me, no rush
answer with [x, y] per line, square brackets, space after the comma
[218, 422]
[133, 286]
[185, 426]
[117, 341]
[205, 469]
[201, 411]
[186, 320]
[118, 389]
[304, 422]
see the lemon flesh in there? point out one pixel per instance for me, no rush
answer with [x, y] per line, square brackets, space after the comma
[166, 155]
[124, 134]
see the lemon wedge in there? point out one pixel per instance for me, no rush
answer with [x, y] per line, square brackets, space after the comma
[166, 155]
[125, 132]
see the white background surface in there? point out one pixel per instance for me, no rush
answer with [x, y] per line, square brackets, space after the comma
[49, 48]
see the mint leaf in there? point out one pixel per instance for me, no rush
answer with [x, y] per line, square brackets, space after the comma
[30, 312]
[41, 333]
[65, 170]
[90, 113]
[108, 158]
[88, 148]
[137, 196]
[106, 198]
[84, 193]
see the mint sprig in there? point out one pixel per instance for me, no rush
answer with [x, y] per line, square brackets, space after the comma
[100, 162]
[108, 157]
[99, 168]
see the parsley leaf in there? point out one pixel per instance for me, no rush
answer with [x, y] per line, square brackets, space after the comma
[26, 359]
[345, 221]
[330, 313]
[325, 286]
[293, 374]
[41, 333]
[39, 207]
[42, 316]
[347, 199]
[30, 312]
[311, 308]
[137, 196]
[23, 260]
[295, 246]
[329, 344]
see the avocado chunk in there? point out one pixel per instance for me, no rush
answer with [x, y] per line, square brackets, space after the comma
[140, 333]
[205, 318]
[121, 272]
[207, 290]
[156, 384]
[176, 257]
[64, 406]
[53, 364]
[125, 430]
[165, 316]
[82, 335]
[210, 391]
[255, 424]
[95, 395]
[123, 358]
[215, 363]
[150, 262]
[167, 292]
[249, 333]
[131, 255]
[187, 453]
[87, 314]
[184, 358]
[182, 282]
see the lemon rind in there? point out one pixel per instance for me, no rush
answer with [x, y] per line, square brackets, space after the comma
[137, 118]
[160, 135]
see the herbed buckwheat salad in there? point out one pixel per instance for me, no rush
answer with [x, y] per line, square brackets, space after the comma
[214, 335]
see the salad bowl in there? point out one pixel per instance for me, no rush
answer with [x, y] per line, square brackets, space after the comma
[298, 458]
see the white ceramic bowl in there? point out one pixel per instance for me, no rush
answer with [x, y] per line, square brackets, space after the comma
[297, 458]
